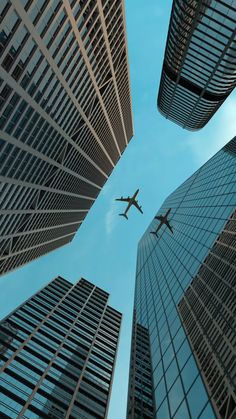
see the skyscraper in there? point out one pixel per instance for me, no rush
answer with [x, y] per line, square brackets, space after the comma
[185, 300]
[141, 402]
[65, 118]
[57, 353]
[198, 70]
[207, 311]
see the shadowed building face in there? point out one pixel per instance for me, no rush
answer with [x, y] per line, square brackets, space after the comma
[199, 65]
[184, 309]
[57, 353]
[141, 401]
[207, 310]
[65, 118]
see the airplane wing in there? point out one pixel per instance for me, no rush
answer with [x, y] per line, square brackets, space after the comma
[123, 199]
[169, 227]
[169, 210]
[156, 231]
[135, 203]
[158, 228]
[158, 218]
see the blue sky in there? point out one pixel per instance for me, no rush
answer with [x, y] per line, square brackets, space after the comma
[159, 157]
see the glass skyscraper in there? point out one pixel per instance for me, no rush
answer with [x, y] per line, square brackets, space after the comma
[198, 71]
[141, 403]
[65, 118]
[57, 353]
[185, 301]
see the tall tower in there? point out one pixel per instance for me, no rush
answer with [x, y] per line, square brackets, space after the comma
[141, 401]
[65, 118]
[198, 70]
[57, 353]
[185, 301]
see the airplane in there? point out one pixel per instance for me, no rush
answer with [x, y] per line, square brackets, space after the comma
[131, 201]
[163, 220]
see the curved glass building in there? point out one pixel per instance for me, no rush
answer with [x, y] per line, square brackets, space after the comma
[200, 58]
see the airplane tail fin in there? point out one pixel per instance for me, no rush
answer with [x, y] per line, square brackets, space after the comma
[124, 215]
[154, 232]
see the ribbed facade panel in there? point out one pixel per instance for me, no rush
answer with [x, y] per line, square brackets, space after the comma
[63, 125]
[21, 258]
[199, 65]
[57, 353]
[207, 310]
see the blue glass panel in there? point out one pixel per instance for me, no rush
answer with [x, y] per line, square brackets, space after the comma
[175, 396]
[163, 411]
[183, 354]
[171, 374]
[157, 374]
[189, 373]
[207, 412]
[168, 356]
[197, 398]
[182, 412]
[160, 392]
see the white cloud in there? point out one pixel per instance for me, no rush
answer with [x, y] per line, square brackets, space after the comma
[204, 144]
[111, 217]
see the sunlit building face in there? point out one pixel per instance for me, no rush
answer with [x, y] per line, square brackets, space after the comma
[65, 118]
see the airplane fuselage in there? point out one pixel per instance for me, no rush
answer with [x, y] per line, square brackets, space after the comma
[163, 219]
[132, 200]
